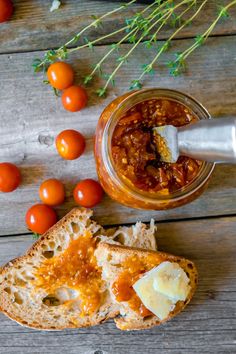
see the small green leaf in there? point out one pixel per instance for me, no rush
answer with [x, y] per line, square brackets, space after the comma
[148, 69]
[89, 43]
[87, 79]
[132, 39]
[166, 46]
[35, 236]
[223, 12]
[56, 91]
[50, 56]
[101, 92]
[199, 39]
[62, 53]
[46, 82]
[122, 59]
[135, 84]
[175, 72]
[115, 46]
[148, 44]
[97, 22]
[37, 65]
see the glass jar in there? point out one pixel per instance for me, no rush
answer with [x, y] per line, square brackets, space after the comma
[113, 184]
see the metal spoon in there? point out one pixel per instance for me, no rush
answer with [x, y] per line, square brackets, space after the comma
[212, 140]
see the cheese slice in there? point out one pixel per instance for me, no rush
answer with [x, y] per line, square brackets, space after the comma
[162, 287]
[171, 280]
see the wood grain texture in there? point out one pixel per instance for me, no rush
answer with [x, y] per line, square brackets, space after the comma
[33, 27]
[31, 117]
[208, 324]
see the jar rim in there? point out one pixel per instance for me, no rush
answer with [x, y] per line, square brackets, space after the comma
[129, 101]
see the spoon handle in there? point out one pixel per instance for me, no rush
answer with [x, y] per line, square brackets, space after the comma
[212, 140]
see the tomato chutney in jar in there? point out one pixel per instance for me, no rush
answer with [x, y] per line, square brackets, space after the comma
[128, 163]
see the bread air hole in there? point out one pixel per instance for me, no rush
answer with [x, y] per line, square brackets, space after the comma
[51, 300]
[18, 299]
[75, 227]
[108, 257]
[119, 238]
[19, 282]
[48, 254]
[59, 248]
[52, 244]
[27, 275]
[7, 290]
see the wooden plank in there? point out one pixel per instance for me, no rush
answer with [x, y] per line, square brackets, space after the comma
[33, 27]
[31, 117]
[208, 324]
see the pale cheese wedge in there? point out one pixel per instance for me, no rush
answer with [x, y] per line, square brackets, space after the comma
[162, 287]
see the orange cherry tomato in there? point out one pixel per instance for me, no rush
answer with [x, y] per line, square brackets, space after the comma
[74, 98]
[88, 193]
[10, 177]
[6, 10]
[40, 217]
[60, 75]
[70, 144]
[52, 192]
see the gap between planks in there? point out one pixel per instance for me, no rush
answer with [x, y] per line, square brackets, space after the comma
[169, 221]
[103, 44]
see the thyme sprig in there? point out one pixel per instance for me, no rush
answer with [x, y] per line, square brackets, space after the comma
[144, 26]
[124, 58]
[179, 64]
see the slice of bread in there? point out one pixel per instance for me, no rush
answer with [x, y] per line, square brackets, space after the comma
[23, 300]
[112, 257]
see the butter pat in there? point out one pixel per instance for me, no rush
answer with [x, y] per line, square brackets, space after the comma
[162, 287]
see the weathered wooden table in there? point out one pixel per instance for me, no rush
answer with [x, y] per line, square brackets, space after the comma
[204, 231]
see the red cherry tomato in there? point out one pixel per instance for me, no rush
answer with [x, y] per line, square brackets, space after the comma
[10, 177]
[60, 75]
[88, 193]
[40, 217]
[52, 192]
[70, 144]
[74, 98]
[6, 10]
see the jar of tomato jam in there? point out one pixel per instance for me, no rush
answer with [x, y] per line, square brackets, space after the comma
[128, 163]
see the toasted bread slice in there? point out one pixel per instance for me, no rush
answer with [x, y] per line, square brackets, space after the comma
[25, 301]
[112, 257]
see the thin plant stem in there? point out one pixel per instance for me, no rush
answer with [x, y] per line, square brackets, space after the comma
[134, 31]
[136, 44]
[172, 36]
[206, 34]
[150, 17]
[92, 24]
[179, 63]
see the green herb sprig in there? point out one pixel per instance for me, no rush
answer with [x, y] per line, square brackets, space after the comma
[143, 27]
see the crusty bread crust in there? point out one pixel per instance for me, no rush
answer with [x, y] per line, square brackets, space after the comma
[107, 254]
[41, 319]
[16, 275]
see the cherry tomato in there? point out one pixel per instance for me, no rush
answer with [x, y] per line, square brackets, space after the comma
[88, 193]
[40, 217]
[60, 75]
[70, 144]
[10, 177]
[74, 98]
[6, 10]
[52, 192]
